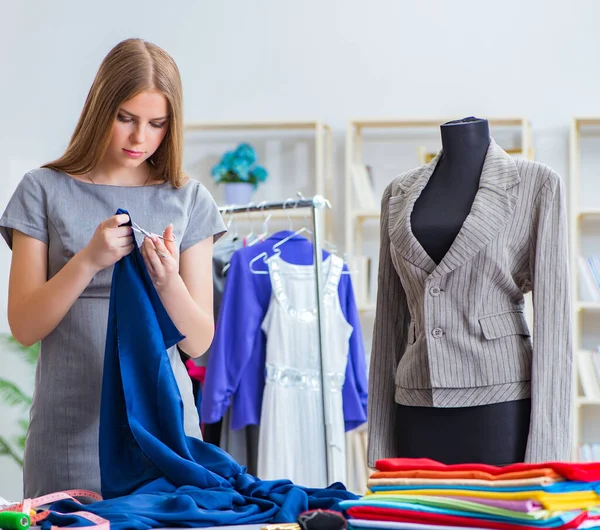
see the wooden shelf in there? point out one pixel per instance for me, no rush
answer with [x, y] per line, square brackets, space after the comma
[589, 121]
[322, 171]
[254, 125]
[366, 214]
[584, 401]
[367, 308]
[383, 123]
[588, 213]
[587, 306]
[581, 330]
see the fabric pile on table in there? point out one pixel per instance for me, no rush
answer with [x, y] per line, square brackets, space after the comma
[422, 494]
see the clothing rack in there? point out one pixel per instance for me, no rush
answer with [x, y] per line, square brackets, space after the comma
[317, 204]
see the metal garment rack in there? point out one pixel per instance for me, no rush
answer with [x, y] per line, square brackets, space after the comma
[317, 204]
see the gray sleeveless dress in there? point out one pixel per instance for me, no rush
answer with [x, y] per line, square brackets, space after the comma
[62, 441]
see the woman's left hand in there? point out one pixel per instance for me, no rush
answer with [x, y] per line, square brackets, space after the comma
[161, 258]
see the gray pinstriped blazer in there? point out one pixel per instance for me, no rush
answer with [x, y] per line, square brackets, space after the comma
[454, 334]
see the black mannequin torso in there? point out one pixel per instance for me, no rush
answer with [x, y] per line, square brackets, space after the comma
[443, 205]
[492, 434]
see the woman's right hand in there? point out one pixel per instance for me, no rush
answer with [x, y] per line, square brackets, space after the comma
[109, 243]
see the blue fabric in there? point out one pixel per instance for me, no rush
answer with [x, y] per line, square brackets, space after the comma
[557, 519]
[153, 475]
[236, 367]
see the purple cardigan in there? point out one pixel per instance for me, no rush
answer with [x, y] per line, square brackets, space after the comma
[237, 359]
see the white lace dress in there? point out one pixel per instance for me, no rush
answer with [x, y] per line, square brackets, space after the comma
[291, 440]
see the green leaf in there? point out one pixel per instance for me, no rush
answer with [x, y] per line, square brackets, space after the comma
[12, 395]
[20, 441]
[6, 450]
[30, 353]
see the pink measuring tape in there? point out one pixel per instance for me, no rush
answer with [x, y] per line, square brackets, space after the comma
[28, 504]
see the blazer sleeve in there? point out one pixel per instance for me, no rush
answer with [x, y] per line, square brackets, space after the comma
[389, 342]
[551, 375]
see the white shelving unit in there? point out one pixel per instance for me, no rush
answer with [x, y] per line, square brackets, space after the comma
[586, 315]
[355, 217]
[322, 171]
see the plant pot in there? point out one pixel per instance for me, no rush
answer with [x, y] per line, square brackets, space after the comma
[238, 192]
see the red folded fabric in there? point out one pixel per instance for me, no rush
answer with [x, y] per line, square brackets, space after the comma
[392, 514]
[585, 472]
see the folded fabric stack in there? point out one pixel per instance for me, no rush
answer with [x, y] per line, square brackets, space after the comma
[422, 494]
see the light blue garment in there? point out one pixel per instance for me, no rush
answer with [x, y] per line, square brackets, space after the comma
[364, 524]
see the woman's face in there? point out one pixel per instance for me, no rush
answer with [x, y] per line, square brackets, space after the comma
[139, 128]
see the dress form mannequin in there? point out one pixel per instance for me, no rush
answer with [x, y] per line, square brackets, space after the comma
[442, 207]
[494, 434]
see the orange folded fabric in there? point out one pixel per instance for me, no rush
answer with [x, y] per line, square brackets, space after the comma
[458, 482]
[479, 475]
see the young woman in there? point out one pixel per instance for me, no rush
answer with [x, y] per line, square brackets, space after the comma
[126, 152]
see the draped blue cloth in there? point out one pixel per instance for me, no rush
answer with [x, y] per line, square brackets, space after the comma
[153, 475]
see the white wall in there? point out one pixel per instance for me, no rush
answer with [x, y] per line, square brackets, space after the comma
[326, 59]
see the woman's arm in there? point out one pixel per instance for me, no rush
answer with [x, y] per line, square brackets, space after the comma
[185, 288]
[37, 305]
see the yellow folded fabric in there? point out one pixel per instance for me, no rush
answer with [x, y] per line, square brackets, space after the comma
[577, 500]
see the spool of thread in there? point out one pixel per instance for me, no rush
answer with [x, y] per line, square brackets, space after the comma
[14, 521]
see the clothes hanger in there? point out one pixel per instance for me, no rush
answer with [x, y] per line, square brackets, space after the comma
[330, 247]
[234, 237]
[265, 233]
[297, 232]
[263, 256]
[256, 238]
[251, 236]
[233, 222]
[228, 219]
[276, 247]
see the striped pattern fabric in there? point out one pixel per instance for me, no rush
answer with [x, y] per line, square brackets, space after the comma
[454, 334]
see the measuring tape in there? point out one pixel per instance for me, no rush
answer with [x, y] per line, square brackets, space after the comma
[28, 505]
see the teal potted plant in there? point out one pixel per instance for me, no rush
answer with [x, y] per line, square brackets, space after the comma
[239, 173]
[12, 395]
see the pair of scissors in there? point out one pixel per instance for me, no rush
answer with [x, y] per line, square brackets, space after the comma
[137, 228]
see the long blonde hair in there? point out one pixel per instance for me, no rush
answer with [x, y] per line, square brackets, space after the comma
[131, 67]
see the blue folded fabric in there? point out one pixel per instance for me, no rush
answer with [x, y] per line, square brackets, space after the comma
[153, 475]
[556, 520]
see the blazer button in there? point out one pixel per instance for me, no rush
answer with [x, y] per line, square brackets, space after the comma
[437, 332]
[435, 291]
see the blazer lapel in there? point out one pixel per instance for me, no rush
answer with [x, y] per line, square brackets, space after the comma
[492, 208]
[400, 208]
